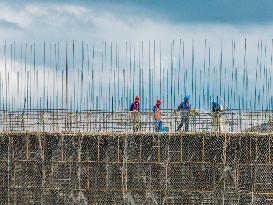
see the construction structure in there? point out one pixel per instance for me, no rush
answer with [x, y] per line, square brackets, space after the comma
[56, 157]
[67, 136]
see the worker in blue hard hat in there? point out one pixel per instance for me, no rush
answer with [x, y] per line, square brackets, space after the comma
[217, 121]
[185, 107]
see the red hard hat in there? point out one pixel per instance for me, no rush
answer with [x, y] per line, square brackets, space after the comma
[158, 102]
[137, 98]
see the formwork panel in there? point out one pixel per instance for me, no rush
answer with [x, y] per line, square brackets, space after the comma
[20, 147]
[4, 182]
[114, 177]
[246, 177]
[149, 148]
[263, 178]
[108, 149]
[53, 148]
[136, 168]
[56, 197]
[270, 149]
[247, 149]
[263, 199]
[137, 197]
[164, 148]
[245, 199]
[204, 177]
[194, 198]
[145, 176]
[153, 198]
[192, 148]
[98, 177]
[174, 149]
[145, 197]
[34, 147]
[111, 150]
[213, 148]
[4, 196]
[71, 148]
[233, 149]
[4, 172]
[243, 149]
[85, 175]
[27, 174]
[31, 196]
[4, 148]
[134, 148]
[262, 150]
[89, 149]
[109, 197]
[63, 176]
[137, 178]
[158, 176]
[180, 176]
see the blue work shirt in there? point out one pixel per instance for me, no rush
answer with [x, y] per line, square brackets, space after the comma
[183, 106]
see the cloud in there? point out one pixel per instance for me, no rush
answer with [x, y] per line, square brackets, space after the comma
[94, 24]
[4, 24]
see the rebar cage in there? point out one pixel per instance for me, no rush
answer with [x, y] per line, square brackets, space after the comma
[97, 121]
[136, 168]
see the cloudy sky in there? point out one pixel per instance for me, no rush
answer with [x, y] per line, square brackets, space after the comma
[218, 22]
[120, 20]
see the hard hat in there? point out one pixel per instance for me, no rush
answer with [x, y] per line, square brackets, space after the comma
[186, 98]
[137, 98]
[158, 102]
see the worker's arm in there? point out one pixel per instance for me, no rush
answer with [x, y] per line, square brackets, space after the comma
[193, 111]
[180, 107]
[132, 107]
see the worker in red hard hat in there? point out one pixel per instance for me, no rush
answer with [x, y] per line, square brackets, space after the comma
[157, 116]
[135, 108]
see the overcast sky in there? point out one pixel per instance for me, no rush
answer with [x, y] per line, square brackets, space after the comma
[112, 20]
[218, 21]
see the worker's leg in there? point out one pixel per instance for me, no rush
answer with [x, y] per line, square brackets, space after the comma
[218, 124]
[160, 125]
[134, 123]
[213, 126]
[183, 120]
[187, 122]
[221, 124]
[134, 128]
[181, 124]
[156, 126]
[137, 125]
[215, 123]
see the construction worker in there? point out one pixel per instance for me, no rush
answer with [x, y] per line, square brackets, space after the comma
[217, 121]
[135, 106]
[185, 108]
[135, 109]
[157, 116]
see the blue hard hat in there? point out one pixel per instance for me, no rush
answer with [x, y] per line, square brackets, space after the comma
[186, 98]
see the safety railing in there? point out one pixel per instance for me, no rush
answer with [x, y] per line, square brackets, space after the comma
[98, 121]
